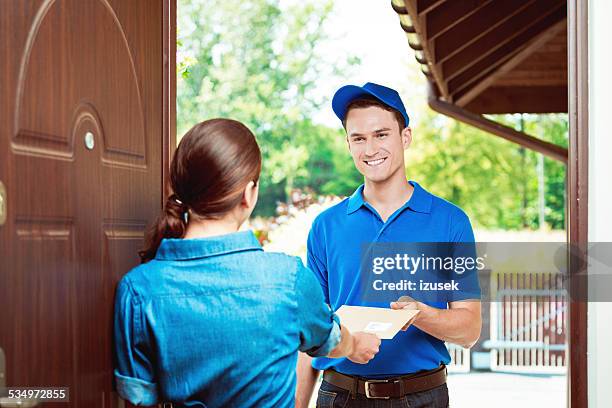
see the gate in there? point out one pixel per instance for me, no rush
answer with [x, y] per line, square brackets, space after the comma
[528, 323]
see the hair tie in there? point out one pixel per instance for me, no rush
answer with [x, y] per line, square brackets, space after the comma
[184, 208]
[175, 199]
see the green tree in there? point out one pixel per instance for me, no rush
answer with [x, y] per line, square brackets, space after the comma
[493, 180]
[330, 166]
[256, 62]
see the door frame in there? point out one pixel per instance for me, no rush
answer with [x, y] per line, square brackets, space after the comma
[577, 169]
[168, 106]
[577, 199]
[169, 93]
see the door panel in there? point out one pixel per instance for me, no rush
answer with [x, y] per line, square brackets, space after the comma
[81, 156]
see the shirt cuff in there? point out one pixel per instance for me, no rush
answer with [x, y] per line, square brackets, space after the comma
[332, 341]
[135, 390]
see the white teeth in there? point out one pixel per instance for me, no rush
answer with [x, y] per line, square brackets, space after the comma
[375, 162]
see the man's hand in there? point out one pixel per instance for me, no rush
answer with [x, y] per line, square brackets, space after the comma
[459, 324]
[365, 347]
[406, 302]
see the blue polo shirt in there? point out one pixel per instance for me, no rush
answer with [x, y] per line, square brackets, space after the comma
[335, 245]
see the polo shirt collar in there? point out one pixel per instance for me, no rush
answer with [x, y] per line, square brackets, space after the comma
[355, 201]
[174, 249]
[420, 201]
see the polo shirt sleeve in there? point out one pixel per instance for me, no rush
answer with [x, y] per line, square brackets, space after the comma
[316, 257]
[318, 326]
[134, 374]
[462, 235]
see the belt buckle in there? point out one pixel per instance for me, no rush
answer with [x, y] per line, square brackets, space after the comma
[367, 387]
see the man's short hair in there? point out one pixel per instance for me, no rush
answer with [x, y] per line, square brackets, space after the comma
[368, 101]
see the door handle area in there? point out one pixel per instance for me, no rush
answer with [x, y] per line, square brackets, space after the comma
[3, 205]
[2, 369]
[14, 403]
[6, 402]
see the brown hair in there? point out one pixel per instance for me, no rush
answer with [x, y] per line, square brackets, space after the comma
[367, 101]
[212, 165]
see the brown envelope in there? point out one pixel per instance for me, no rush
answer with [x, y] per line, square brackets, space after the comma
[383, 322]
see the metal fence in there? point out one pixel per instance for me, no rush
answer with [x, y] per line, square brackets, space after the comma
[527, 325]
[528, 330]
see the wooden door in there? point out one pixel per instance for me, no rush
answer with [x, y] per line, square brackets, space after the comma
[84, 135]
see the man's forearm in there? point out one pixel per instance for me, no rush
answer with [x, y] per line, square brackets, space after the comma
[306, 379]
[459, 326]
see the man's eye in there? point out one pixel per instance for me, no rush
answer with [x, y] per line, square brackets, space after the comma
[382, 135]
[358, 139]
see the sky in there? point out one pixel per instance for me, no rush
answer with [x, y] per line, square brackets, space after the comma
[370, 30]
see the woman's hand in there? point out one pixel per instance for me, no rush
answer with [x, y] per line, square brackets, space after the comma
[365, 347]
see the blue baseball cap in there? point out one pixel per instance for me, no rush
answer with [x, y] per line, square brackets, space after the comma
[348, 93]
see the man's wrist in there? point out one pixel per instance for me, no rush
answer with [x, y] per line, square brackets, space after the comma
[426, 311]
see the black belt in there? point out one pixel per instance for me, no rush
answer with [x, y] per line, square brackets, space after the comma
[395, 387]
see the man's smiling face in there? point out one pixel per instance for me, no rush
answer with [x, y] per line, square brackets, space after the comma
[376, 143]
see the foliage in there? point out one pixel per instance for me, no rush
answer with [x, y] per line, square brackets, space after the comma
[493, 180]
[256, 61]
[259, 66]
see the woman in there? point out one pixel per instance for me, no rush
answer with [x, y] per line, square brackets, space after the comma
[209, 319]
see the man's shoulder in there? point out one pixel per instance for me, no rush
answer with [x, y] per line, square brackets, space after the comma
[441, 206]
[331, 214]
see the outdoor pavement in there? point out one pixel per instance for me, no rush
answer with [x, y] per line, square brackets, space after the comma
[503, 390]
[506, 390]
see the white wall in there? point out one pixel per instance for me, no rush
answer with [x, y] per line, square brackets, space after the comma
[600, 194]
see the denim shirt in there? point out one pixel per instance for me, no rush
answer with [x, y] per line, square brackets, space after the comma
[217, 322]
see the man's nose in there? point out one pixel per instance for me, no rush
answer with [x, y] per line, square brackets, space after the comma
[371, 148]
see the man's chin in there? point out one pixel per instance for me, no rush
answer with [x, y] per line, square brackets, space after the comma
[376, 178]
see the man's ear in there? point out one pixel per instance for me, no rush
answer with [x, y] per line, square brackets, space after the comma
[406, 137]
[250, 194]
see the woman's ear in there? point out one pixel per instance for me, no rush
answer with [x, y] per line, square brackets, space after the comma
[250, 194]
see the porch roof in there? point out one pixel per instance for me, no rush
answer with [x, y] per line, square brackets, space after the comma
[488, 57]
[491, 56]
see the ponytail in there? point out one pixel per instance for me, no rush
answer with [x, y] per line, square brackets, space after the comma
[170, 224]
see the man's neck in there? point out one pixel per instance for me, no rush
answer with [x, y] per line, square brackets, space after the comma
[387, 196]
